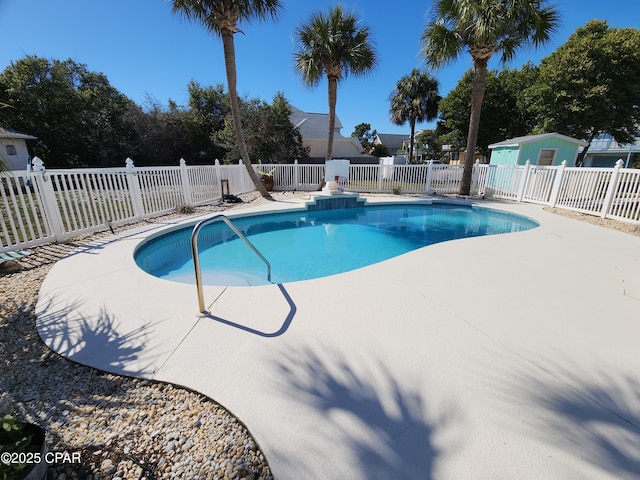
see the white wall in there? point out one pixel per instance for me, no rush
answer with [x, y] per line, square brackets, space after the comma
[18, 161]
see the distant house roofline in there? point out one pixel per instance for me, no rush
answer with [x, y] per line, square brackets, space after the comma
[8, 133]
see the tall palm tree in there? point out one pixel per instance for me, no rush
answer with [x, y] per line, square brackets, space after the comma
[415, 99]
[483, 28]
[333, 45]
[221, 18]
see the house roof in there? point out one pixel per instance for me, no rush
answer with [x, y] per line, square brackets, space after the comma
[7, 133]
[392, 140]
[312, 125]
[518, 141]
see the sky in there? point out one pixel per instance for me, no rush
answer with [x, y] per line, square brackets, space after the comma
[146, 51]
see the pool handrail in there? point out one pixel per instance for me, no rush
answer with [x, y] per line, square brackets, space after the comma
[196, 257]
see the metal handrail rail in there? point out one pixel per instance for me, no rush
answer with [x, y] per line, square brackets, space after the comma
[196, 257]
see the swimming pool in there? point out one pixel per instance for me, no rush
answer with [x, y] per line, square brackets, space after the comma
[303, 245]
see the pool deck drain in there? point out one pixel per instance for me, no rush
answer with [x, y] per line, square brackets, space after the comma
[507, 356]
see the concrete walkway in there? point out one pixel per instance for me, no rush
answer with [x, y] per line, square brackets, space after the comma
[501, 357]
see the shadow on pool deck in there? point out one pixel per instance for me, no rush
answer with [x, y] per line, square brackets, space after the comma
[603, 410]
[98, 340]
[285, 324]
[386, 424]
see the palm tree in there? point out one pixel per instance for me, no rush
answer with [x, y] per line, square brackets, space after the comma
[333, 45]
[483, 28]
[415, 99]
[222, 17]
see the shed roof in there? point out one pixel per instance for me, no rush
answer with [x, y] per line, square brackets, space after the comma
[7, 133]
[516, 142]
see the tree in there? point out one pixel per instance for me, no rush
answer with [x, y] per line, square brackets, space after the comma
[506, 91]
[415, 99]
[221, 17]
[483, 28]
[590, 85]
[333, 45]
[271, 137]
[365, 136]
[277, 140]
[430, 144]
[210, 105]
[76, 114]
[163, 135]
[380, 150]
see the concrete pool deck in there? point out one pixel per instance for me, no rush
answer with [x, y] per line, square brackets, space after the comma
[507, 356]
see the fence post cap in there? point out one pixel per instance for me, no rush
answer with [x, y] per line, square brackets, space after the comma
[619, 163]
[183, 162]
[129, 163]
[38, 164]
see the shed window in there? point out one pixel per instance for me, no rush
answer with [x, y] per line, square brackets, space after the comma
[546, 156]
[11, 150]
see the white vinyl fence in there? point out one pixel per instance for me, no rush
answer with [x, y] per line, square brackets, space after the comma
[52, 205]
[606, 192]
[42, 206]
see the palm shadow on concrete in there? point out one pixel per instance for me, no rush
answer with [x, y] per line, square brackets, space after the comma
[399, 441]
[605, 420]
[597, 412]
[96, 342]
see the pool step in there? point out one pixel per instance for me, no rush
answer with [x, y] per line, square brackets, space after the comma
[319, 201]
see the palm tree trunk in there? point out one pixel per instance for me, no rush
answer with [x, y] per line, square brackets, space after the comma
[412, 124]
[333, 98]
[477, 96]
[230, 65]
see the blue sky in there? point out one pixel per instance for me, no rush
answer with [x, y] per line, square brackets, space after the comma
[145, 50]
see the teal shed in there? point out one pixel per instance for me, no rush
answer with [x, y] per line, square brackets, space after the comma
[544, 149]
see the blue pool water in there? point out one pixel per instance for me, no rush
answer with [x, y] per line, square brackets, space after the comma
[304, 245]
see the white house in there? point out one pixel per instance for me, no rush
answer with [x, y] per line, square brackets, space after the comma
[314, 128]
[13, 148]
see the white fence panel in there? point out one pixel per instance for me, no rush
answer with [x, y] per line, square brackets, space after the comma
[410, 178]
[284, 176]
[445, 179]
[309, 177]
[90, 199]
[584, 189]
[625, 204]
[23, 219]
[204, 182]
[539, 184]
[161, 189]
[369, 178]
[502, 181]
[237, 177]
[294, 176]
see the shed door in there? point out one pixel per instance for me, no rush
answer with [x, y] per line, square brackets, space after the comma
[546, 156]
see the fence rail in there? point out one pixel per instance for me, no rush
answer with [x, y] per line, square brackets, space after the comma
[51, 205]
